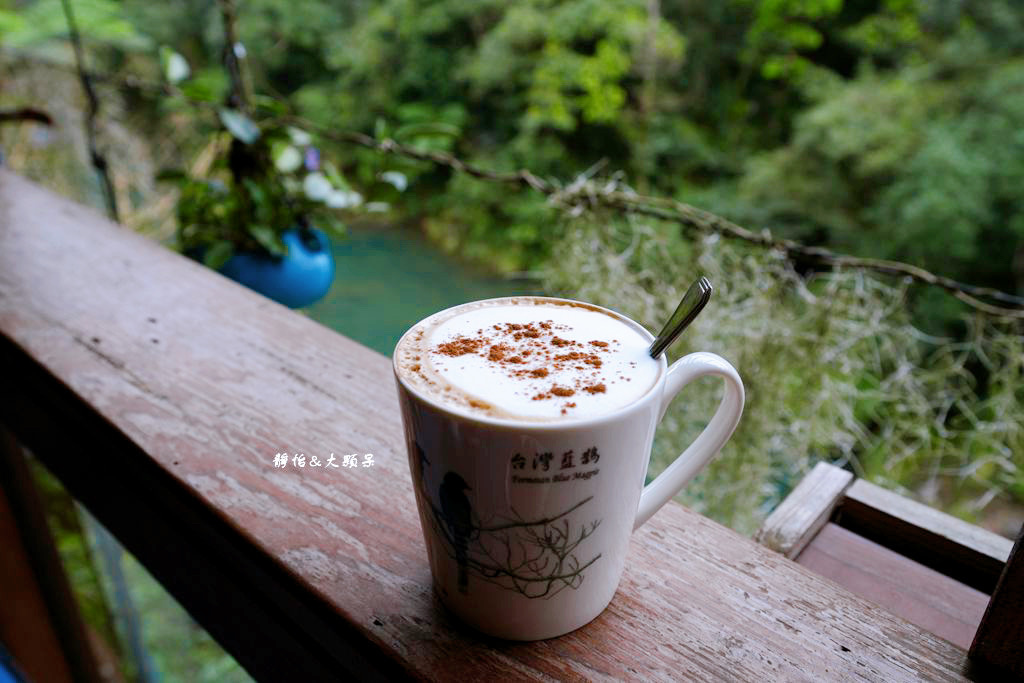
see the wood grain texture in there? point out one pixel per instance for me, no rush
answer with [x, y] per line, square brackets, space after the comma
[803, 513]
[921, 595]
[160, 392]
[999, 642]
[965, 552]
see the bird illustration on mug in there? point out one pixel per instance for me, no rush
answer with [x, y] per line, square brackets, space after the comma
[458, 516]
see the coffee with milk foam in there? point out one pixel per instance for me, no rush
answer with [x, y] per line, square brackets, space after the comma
[528, 358]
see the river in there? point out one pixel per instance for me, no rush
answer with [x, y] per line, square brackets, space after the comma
[387, 278]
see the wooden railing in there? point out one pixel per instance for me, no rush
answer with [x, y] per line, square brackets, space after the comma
[950, 577]
[159, 393]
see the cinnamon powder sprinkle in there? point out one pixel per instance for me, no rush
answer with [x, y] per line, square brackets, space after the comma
[510, 344]
[498, 352]
[460, 346]
[588, 358]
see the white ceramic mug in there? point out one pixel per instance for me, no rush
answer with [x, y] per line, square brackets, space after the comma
[527, 524]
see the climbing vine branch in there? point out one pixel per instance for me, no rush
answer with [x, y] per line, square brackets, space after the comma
[584, 192]
[587, 192]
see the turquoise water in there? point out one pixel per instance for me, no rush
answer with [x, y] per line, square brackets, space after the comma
[389, 278]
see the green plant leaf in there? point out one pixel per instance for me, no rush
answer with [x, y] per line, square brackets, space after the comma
[239, 125]
[268, 239]
[206, 85]
[218, 254]
[332, 225]
[11, 22]
[99, 21]
[257, 195]
[270, 104]
[334, 175]
[414, 130]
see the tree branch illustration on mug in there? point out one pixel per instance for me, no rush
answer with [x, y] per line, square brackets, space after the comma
[533, 557]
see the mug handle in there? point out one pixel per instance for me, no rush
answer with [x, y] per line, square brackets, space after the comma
[708, 443]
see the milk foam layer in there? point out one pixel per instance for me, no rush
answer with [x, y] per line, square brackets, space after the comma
[528, 358]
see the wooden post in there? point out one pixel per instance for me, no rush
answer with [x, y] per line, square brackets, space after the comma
[39, 618]
[999, 642]
[805, 511]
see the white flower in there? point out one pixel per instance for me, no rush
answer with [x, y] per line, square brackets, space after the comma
[177, 68]
[299, 137]
[377, 207]
[343, 199]
[395, 178]
[288, 159]
[317, 187]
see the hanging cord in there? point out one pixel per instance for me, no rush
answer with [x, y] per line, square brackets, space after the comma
[99, 161]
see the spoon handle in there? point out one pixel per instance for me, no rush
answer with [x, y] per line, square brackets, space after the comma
[693, 302]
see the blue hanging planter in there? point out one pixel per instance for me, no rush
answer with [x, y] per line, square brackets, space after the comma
[299, 278]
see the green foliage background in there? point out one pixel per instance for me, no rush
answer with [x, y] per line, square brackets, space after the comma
[884, 128]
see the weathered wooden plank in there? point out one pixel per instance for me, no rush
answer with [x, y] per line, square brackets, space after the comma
[999, 642]
[803, 513]
[921, 595]
[965, 552]
[173, 389]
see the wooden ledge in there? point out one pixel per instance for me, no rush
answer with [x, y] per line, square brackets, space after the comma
[160, 392]
[924, 565]
[965, 552]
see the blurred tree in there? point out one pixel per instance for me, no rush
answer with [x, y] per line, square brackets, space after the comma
[887, 127]
[922, 162]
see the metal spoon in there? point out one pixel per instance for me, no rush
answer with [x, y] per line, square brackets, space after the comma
[693, 302]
